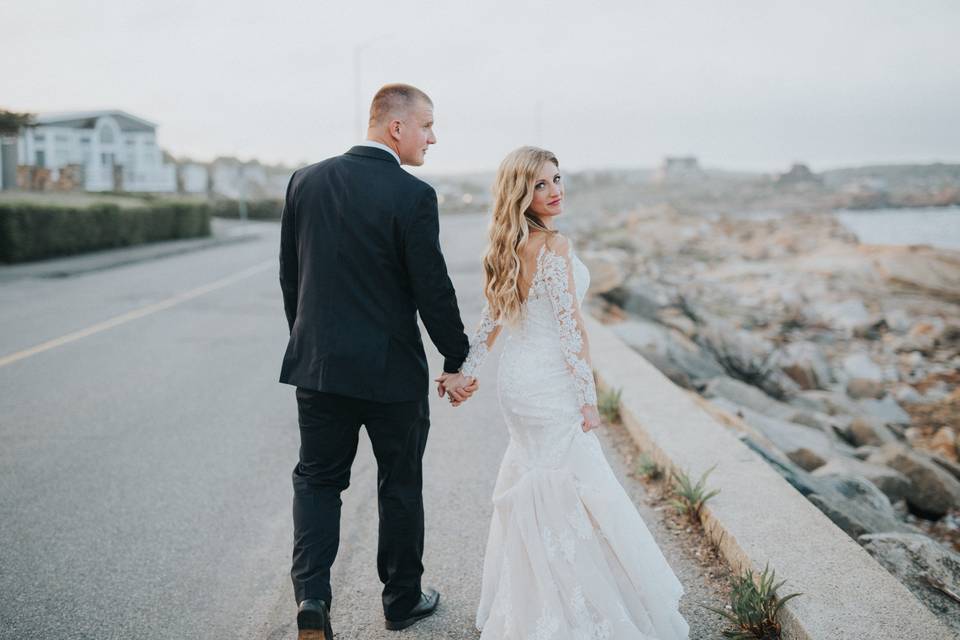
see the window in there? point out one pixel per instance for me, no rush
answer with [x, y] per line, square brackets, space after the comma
[41, 159]
[106, 135]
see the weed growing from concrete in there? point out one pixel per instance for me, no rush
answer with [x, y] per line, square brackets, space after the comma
[753, 606]
[690, 496]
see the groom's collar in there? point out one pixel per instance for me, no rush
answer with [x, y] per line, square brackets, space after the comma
[372, 149]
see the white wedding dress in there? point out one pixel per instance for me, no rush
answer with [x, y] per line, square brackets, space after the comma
[568, 557]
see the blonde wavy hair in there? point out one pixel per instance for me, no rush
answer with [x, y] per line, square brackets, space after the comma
[510, 229]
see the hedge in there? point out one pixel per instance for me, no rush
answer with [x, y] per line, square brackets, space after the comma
[256, 209]
[34, 232]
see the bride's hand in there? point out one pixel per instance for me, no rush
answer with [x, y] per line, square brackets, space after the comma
[591, 418]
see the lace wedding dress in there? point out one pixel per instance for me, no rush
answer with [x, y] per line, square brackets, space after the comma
[568, 557]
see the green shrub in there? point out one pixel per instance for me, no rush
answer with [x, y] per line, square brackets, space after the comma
[609, 404]
[35, 232]
[648, 467]
[268, 209]
[754, 606]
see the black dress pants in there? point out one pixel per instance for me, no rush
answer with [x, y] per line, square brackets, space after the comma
[329, 429]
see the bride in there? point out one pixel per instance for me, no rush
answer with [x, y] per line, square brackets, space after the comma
[568, 556]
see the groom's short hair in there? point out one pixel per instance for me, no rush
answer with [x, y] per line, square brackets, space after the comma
[394, 99]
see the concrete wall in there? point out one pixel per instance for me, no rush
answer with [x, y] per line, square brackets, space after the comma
[758, 517]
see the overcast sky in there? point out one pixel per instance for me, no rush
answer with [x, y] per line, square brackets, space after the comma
[753, 84]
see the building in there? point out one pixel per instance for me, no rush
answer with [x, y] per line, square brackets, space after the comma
[193, 177]
[679, 169]
[799, 174]
[92, 151]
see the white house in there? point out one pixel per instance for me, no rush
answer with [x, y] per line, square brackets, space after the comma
[194, 177]
[109, 150]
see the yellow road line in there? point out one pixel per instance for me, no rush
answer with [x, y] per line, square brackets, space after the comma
[137, 313]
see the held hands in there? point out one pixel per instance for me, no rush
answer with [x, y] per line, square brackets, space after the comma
[591, 417]
[457, 386]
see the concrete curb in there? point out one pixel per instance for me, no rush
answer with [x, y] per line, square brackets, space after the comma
[758, 517]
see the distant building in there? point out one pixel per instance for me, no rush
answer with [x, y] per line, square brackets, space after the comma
[679, 169]
[799, 174]
[193, 177]
[235, 179]
[92, 151]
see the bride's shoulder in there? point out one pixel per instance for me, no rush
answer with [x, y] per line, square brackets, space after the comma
[557, 243]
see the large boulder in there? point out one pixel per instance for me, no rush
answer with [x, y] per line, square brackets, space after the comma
[805, 446]
[933, 491]
[746, 356]
[640, 297]
[870, 431]
[671, 352]
[805, 363]
[606, 268]
[860, 366]
[917, 561]
[886, 409]
[747, 395]
[856, 505]
[865, 388]
[845, 316]
[894, 484]
[852, 503]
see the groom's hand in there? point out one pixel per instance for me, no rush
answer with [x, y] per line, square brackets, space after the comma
[466, 392]
[457, 386]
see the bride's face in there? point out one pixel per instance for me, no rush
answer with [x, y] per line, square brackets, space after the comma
[547, 192]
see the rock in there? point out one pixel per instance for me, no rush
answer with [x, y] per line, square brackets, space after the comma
[676, 319]
[745, 356]
[897, 320]
[905, 394]
[865, 388]
[923, 336]
[606, 269]
[860, 365]
[857, 506]
[886, 409]
[894, 484]
[806, 447]
[869, 431]
[864, 451]
[933, 491]
[949, 466]
[918, 269]
[809, 401]
[846, 315]
[741, 393]
[640, 297]
[834, 403]
[852, 503]
[805, 363]
[912, 557]
[673, 354]
[871, 330]
[944, 442]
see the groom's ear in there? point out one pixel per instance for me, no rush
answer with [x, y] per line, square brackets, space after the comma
[394, 129]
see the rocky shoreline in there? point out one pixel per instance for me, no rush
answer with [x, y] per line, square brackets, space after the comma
[839, 362]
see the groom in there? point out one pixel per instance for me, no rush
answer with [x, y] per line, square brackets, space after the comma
[359, 259]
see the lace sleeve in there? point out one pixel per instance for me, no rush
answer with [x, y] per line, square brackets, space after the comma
[558, 280]
[480, 344]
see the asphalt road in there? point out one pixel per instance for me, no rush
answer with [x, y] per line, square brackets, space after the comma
[145, 462]
[147, 448]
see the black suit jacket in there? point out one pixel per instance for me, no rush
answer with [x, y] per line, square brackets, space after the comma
[359, 257]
